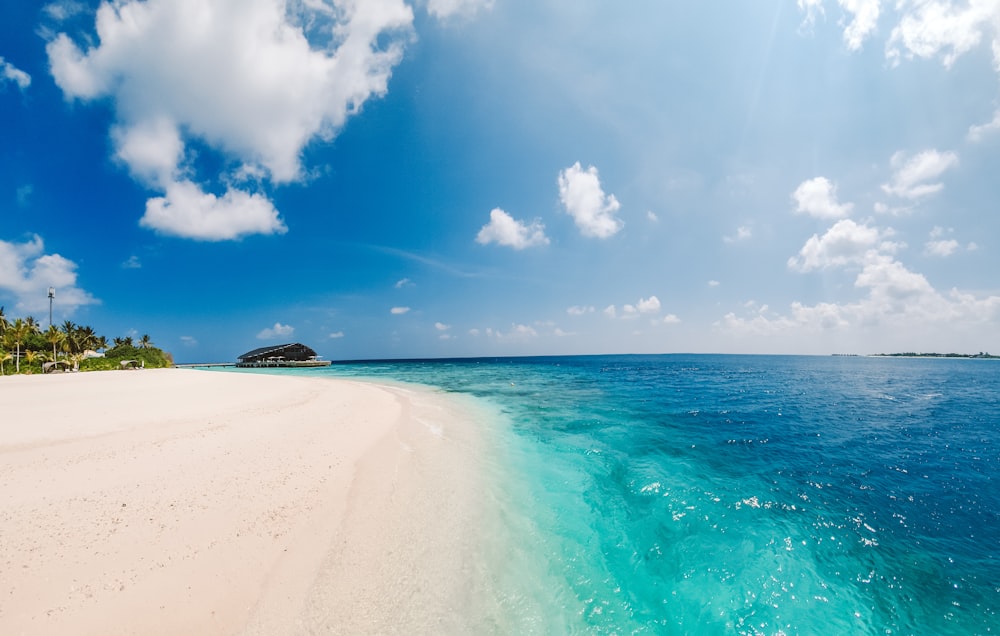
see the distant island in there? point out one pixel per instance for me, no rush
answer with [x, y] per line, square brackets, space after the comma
[980, 355]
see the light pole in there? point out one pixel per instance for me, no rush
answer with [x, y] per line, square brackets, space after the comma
[52, 294]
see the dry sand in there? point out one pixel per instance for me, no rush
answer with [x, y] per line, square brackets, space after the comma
[190, 502]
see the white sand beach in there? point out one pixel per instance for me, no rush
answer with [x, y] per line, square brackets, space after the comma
[188, 502]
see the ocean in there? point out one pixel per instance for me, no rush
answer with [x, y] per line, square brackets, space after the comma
[719, 494]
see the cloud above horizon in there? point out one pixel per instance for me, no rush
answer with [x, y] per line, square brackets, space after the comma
[26, 273]
[254, 81]
[277, 331]
[818, 198]
[583, 199]
[10, 73]
[503, 229]
[916, 177]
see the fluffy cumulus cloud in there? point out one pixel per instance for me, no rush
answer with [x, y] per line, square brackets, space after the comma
[189, 212]
[255, 80]
[26, 273]
[399, 311]
[863, 20]
[503, 229]
[846, 243]
[896, 302]
[277, 331]
[583, 198]
[645, 306]
[14, 75]
[938, 245]
[818, 197]
[945, 29]
[917, 176]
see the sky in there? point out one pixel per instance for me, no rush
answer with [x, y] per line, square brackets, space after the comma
[452, 178]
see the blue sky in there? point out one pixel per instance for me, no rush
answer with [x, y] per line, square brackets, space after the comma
[382, 178]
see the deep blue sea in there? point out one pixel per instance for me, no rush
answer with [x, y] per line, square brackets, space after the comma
[717, 494]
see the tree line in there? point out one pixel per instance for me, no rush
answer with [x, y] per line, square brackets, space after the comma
[26, 348]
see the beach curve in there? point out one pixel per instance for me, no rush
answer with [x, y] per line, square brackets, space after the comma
[179, 501]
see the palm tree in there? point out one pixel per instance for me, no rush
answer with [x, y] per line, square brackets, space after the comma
[20, 330]
[101, 343]
[29, 357]
[54, 337]
[4, 323]
[4, 357]
[70, 331]
[145, 342]
[88, 339]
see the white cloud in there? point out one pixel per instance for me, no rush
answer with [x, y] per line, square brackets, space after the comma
[592, 211]
[64, 9]
[447, 8]
[519, 332]
[255, 80]
[403, 282]
[516, 332]
[914, 177]
[188, 212]
[743, 233]
[189, 341]
[652, 216]
[671, 319]
[440, 326]
[846, 243]
[576, 310]
[932, 28]
[818, 198]
[812, 8]
[336, 335]
[277, 331]
[10, 73]
[864, 19]
[938, 245]
[649, 305]
[398, 311]
[132, 262]
[26, 273]
[864, 16]
[505, 230]
[714, 283]
[979, 132]
[151, 149]
[945, 247]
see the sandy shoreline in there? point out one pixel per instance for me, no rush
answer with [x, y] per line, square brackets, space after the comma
[189, 502]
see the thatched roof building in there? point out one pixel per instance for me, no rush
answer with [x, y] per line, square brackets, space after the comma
[294, 354]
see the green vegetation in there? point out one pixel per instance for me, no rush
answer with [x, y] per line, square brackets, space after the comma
[980, 355]
[25, 348]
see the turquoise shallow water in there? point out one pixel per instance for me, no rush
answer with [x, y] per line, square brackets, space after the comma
[739, 494]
